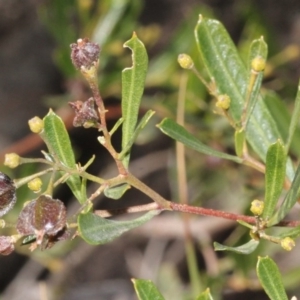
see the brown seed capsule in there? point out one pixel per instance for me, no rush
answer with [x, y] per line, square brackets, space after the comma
[6, 245]
[7, 194]
[85, 112]
[41, 217]
[84, 53]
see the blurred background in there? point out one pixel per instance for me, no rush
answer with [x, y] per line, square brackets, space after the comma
[36, 74]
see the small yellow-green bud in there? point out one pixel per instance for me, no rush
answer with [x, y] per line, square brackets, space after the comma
[35, 184]
[287, 244]
[223, 101]
[2, 223]
[258, 64]
[257, 207]
[36, 124]
[11, 160]
[185, 61]
[254, 235]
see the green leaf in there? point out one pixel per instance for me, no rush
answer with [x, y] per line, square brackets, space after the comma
[239, 140]
[289, 201]
[116, 192]
[206, 295]
[274, 178]
[96, 230]
[247, 248]
[270, 278]
[294, 120]
[292, 233]
[259, 49]
[146, 290]
[58, 142]
[108, 21]
[281, 114]
[138, 129]
[225, 67]
[133, 81]
[179, 133]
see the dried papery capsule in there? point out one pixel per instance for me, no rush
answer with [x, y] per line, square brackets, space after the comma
[7, 245]
[42, 217]
[84, 54]
[85, 113]
[7, 194]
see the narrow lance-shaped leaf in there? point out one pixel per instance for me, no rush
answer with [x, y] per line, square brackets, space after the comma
[58, 142]
[292, 233]
[274, 177]
[289, 201]
[270, 278]
[133, 81]
[258, 53]
[281, 114]
[224, 65]
[136, 132]
[206, 295]
[247, 248]
[180, 134]
[294, 120]
[146, 290]
[239, 140]
[96, 230]
[118, 191]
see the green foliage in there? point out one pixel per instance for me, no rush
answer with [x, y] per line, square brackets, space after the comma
[58, 142]
[230, 75]
[179, 133]
[96, 230]
[205, 295]
[257, 121]
[133, 81]
[270, 278]
[289, 201]
[274, 178]
[146, 290]
[247, 248]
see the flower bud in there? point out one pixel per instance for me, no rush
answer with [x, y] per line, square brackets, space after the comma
[257, 207]
[35, 184]
[11, 160]
[223, 101]
[36, 124]
[84, 54]
[7, 194]
[258, 64]
[287, 244]
[185, 61]
[2, 223]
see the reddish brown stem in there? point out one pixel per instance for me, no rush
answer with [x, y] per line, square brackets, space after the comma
[211, 212]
